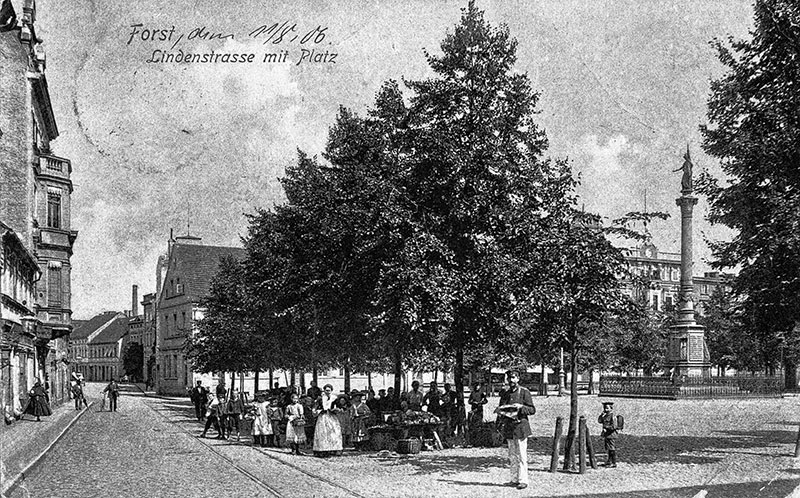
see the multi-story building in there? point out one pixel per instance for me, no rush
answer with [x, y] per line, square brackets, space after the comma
[189, 266]
[97, 346]
[35, 188]
[657, 278]
[18, 360]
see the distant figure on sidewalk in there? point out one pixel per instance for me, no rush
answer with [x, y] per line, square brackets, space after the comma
[78, 396]
[112, 389]
[609, 434]
[262, 427]
[38, 402]
[516, 404]
[199, 397]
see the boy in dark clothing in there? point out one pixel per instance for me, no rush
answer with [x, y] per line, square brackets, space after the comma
[609, 434]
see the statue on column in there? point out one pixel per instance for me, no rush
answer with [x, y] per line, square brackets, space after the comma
[686, 181]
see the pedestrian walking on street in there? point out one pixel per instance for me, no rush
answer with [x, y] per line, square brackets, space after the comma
[212, 417]
[38, 402]
[516, 404]
[296, 426]
[199, 397]
[78, 396]
[610, 427]
[113, 393]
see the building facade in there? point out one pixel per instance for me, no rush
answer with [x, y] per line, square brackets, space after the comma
[657, 275]
[96, 346]
[18, 360]
[35, 189]
[149, 338]
[189, 268]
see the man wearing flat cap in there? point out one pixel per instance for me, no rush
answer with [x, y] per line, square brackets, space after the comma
[516, 404]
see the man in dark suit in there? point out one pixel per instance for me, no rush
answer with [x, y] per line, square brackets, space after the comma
[113, 393]
[199, 397]
[516, 404]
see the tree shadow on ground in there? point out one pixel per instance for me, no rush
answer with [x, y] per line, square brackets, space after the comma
[763, 489]
[682, 449]
[454, 464]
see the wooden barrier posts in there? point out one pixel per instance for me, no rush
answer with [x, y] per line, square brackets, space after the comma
[582, 444]
[590, 450]
[797, 444]
[556, 444]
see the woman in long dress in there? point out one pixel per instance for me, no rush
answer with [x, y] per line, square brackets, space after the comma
[328, 432]
[359, 414]
[296, 426]
[38, 402]
[262, 426]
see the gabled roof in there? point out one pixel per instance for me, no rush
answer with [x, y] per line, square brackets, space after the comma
[197, 265]
[85, 328]
[112, 333]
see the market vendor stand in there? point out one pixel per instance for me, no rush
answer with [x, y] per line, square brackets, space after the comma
[398, 429]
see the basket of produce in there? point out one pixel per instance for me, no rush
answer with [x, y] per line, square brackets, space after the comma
[409, 446]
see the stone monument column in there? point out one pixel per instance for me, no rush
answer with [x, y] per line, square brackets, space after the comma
[687, 352]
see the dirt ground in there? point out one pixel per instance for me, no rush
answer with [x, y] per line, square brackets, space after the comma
[729, 448]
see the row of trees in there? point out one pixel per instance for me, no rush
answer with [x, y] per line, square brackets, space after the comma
[432, 234]
[754, 130]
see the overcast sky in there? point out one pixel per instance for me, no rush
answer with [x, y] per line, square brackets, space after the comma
[623, 90]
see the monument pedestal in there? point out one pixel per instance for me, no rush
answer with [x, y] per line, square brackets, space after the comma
[687, 350]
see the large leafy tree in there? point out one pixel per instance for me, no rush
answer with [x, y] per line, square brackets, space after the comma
[754, 130]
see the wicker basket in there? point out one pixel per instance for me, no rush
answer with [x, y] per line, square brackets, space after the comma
[409, 446]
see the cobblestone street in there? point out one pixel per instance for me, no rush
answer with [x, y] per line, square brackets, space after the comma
[151, 447]
[138, 452]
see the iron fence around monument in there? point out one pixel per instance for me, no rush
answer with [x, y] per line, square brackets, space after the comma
[691, 387]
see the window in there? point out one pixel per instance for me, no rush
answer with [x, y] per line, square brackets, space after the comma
[655, 302]
[53, 209]
[183, 320]
[54, 286]
[668, 302]
[174, 323]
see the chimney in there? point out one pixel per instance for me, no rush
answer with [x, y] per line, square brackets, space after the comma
[135, 301]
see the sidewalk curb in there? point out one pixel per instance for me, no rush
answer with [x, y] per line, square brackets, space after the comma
[17, 479]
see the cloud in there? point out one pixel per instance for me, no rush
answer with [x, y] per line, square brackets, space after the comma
[605, 159]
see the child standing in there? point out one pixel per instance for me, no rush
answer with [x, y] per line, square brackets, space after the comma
[359, 414]
[262, 426]
[275, 417]
[609, 434]
[296, 426]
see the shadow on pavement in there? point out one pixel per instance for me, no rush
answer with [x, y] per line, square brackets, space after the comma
[762, 489]
[453, 464]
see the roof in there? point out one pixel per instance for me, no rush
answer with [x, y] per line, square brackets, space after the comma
[113, 332]
[197, 265]
[85, 328]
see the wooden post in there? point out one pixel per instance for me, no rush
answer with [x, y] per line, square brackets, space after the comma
[590, 450]
[582, 444]
[797, 444]
[556, 444]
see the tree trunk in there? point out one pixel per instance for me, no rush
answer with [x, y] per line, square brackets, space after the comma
[398, 372]
[591, 381]
[789, 373]
[569, 450]
[255, 382]
[543, 380]
[458, 380]
[347, 378]
[270, 379]
[315, 374]
[369, 381]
